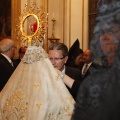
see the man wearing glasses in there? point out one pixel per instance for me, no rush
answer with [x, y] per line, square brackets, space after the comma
[7, 50]
[58, 55]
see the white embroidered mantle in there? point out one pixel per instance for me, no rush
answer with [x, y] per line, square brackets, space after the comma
[35, 91]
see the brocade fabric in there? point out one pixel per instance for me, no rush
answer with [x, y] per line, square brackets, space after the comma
[35, 91]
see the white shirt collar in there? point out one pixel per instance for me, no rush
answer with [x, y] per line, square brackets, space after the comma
[89, 64]
[63, 71]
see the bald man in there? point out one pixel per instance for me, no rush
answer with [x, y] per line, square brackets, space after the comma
[7, 50]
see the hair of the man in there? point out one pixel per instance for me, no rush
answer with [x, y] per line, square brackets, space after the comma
[6, 44]
[60, 46]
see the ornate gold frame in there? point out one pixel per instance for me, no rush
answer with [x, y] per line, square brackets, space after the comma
[38, 36]
[22, 22]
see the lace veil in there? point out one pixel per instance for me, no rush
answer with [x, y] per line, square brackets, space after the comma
[98, 97]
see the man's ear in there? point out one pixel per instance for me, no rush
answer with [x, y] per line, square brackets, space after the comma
[66, 58]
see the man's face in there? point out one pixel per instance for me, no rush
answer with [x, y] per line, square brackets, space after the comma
[57, 59]
[87, 56]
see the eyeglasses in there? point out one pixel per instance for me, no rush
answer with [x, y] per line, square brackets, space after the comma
[56, 59]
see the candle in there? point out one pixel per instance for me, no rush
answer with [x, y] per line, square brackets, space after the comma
[53, 15]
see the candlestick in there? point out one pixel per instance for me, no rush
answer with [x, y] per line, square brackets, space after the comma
[53, 39]
[53, 28]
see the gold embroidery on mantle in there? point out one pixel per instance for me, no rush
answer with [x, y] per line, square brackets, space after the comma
[65, 112]
[36, 85]
[15, 107]
[67, 109]
[38, 105]
[57, 77]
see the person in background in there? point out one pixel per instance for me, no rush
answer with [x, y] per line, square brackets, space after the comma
[85, 71]
[75, 56]
[7, 49]
[78, 58]
[21, 51]
[58, 55]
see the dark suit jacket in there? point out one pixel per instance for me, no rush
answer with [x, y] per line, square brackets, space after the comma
[76, 84]
[16, 62]
[6, 71]
[74, 73]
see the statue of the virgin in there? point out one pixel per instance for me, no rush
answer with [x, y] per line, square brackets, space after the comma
[35, 91]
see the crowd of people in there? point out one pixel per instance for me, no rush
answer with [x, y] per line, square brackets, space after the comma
[91, 77]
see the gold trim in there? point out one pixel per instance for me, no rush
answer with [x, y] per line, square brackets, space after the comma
[15, 8]
[38, 36]
[22, 25]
